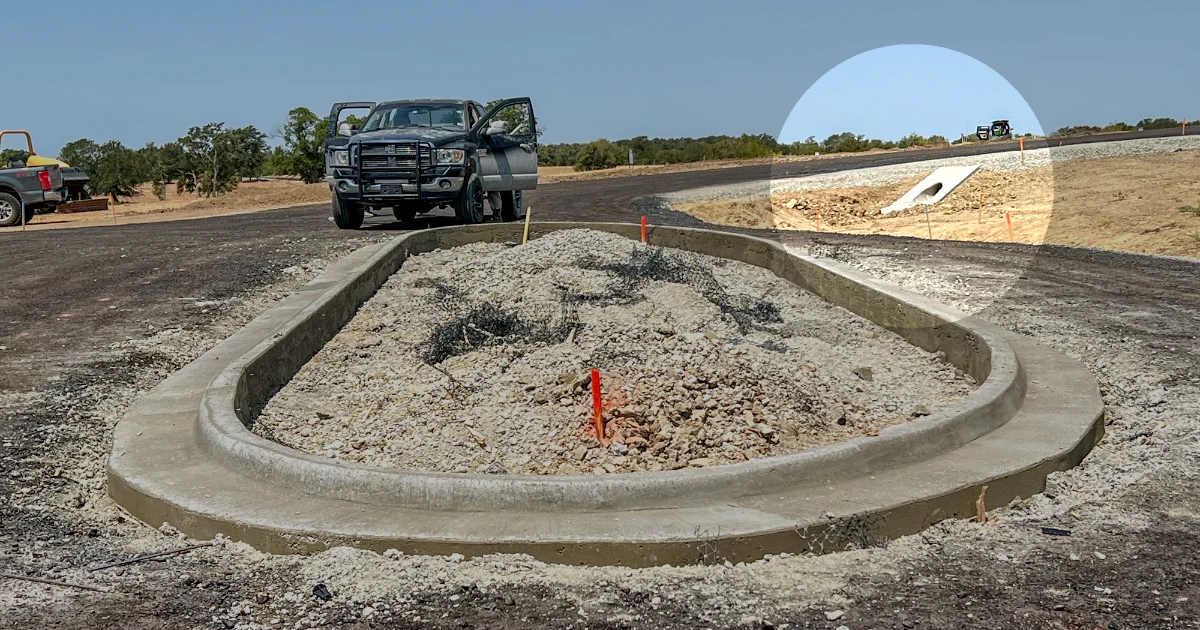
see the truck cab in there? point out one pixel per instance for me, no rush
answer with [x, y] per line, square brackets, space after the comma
[414, 156]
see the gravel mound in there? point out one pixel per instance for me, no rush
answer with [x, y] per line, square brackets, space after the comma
[477, 359]
[883, 175]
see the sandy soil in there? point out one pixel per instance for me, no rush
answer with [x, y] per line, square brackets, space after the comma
[704, 362]
[1134, 204]
[145, 207]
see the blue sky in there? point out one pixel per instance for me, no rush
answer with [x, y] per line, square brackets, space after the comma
[935, 90]
[140, 71]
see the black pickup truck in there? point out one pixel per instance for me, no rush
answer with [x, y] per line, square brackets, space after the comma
[28, 190]
[417, 155]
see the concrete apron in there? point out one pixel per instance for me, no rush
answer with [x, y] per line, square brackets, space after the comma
[183, 453]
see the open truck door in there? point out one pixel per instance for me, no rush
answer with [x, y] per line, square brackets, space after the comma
[338, 133]
[507, 138]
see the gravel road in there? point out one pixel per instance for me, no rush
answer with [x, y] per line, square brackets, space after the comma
[70, 364]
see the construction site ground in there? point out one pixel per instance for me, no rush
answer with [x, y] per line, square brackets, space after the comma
[1148, 204]
[93, 318]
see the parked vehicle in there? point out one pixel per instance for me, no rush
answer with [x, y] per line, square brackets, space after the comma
[29, 190]
[998, 130]
[417, 155]
[75, 179]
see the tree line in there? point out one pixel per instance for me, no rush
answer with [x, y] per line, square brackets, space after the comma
[209, 161]
[600, 154]
[1145, 123]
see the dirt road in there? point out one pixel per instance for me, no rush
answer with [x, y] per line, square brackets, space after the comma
[74, 299]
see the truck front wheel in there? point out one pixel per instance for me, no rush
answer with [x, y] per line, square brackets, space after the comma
[511, 208]
[347, 215]
[468, 207]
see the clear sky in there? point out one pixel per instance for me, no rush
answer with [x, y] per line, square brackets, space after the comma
[935, 90]
[141, 71]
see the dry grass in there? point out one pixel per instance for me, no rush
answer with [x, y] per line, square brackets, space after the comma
[145, 207]
[1134, 204]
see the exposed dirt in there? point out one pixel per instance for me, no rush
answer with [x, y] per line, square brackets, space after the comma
[1131, 560]
[1147, 204]
[477, 359]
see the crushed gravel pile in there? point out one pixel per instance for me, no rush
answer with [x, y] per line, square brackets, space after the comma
[890, 174]
[477, 359]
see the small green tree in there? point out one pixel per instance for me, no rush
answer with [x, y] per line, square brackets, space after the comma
[118, 172]
[82, 153]
[9, 155]
[598, 155]
[211, 152]
[303, 137]
[248, 148]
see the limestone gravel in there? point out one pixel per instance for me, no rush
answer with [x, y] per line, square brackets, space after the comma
[477, 359]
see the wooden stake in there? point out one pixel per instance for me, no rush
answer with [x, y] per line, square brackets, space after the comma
[597, 406]
[981, 506]
[643, 228]
[528, 214]
[1022, 143]
[26, 578]
[153, 556]
[21, 209]
[1008, 219]
[928, 225]
[980, 205]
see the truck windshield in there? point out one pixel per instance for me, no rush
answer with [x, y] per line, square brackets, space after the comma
[401, 115]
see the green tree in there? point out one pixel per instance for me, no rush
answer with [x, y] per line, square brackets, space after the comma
[248, 148]
[82, 153]
[211, 153]
[303, 137]
[163, 165]
[9, 155]
[117, 172]
[598, 155]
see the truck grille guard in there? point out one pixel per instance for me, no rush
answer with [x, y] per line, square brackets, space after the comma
[400, 159]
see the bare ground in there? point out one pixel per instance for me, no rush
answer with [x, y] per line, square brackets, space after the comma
[1147, 204]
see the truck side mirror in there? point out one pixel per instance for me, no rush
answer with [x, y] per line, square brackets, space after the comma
[346, 129]
[496, 128]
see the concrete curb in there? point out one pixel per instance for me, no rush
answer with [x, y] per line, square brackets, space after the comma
[1036, 409]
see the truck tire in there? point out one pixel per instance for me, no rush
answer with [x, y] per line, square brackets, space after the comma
[347, 215]
[10, 210]
[511, 207]
[468, 207]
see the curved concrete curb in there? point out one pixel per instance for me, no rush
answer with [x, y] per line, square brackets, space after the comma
[183, 453]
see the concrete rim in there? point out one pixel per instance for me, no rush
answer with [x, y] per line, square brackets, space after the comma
[223, 433]
[160, 472]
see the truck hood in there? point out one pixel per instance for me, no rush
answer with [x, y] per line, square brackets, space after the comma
[415, 134]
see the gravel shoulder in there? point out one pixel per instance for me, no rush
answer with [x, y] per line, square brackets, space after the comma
[477, 359]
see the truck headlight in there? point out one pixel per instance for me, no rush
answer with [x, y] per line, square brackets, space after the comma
[450, 156]
[341, 158]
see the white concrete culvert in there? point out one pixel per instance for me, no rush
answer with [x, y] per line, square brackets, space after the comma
[883, 175]
[704, 362]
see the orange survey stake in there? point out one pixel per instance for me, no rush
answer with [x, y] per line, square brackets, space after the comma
[597, 405]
